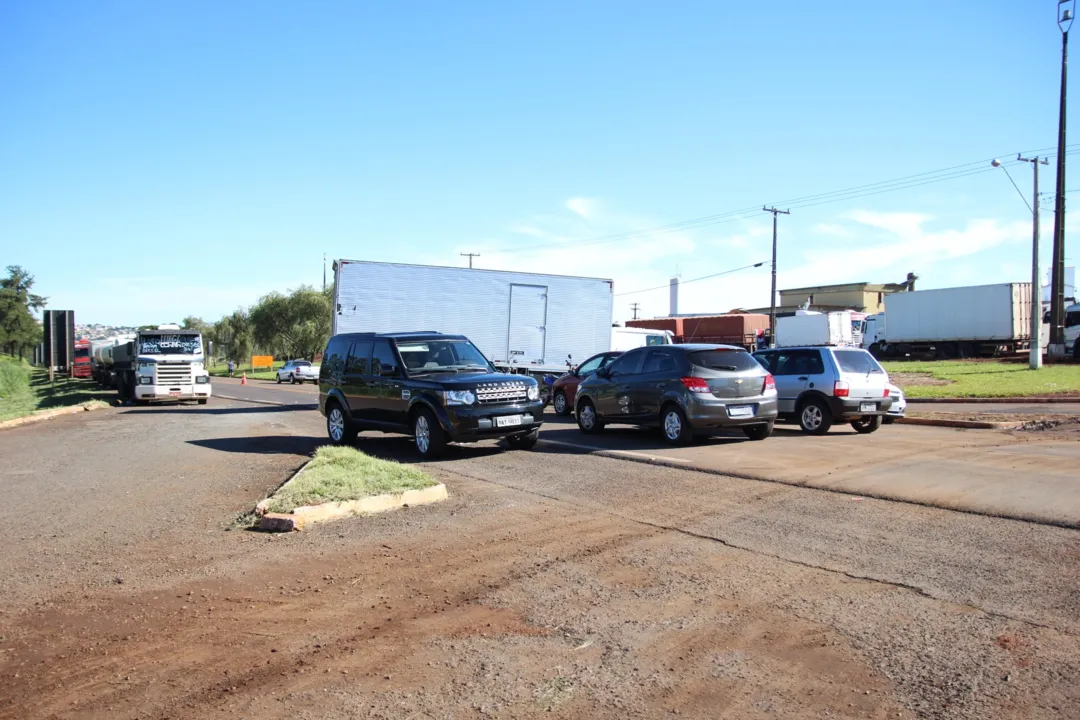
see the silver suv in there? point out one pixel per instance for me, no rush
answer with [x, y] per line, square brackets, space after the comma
[686, 390]
[819, 386]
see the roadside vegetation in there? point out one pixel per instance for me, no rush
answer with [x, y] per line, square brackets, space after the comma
[25, 390]
[975, 378]
[338, 474]
[220, 369]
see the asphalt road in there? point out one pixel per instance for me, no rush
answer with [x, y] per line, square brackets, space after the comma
[962, 469]
[552, 583]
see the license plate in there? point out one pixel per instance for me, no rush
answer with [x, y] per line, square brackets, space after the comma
[174, 394]
[741, 411]
[867, 407]
[509, 421]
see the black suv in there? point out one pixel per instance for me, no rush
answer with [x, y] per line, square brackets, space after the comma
[438, 388]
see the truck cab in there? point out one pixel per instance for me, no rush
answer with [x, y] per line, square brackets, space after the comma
[628, 338]
[165, 364]
[1072, 329]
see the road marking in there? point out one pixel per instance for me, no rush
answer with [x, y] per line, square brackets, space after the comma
[592, 448]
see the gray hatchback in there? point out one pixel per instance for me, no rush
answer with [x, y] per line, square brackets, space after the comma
[686, 390]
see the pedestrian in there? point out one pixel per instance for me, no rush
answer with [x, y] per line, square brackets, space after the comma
[232, 368]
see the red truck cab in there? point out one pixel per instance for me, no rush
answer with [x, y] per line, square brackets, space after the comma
[80, 367]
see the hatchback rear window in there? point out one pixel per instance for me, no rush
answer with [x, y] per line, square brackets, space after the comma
[856, 361]
[737, 360]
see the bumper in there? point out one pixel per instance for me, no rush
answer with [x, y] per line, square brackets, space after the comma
[477, 422]
[705, 413]
[852, 408]
[164, 393]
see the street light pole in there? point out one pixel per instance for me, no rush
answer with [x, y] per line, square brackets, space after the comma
[772, 295]
[1057, 267]
[1035, 359]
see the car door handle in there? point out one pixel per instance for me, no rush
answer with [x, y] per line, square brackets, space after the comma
[804, 377]
[661, 385]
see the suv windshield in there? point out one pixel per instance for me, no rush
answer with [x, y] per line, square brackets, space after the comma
[856, 361]
[442, 356]
[724, 360]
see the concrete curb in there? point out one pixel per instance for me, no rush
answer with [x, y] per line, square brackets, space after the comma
[48, 415]
[308, 514]
[998, 401]
[965, 424]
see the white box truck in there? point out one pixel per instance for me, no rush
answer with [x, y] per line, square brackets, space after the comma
[815, 328]
[527, 322]
[975, 321]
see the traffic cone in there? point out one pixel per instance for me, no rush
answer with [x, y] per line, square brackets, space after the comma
[243, 378]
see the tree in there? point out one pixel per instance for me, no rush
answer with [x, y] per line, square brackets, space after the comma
[296, 325]
[19, 329]
[232, 336]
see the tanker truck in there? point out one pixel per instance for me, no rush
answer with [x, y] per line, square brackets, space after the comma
[165, 364]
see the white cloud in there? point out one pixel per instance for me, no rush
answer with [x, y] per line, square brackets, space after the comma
[584, 207]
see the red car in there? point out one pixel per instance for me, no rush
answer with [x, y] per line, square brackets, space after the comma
[564, 390]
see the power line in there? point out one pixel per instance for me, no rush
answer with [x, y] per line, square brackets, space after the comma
[685, 282]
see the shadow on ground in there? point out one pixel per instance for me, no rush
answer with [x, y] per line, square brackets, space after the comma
[202, 410]
[263, 444]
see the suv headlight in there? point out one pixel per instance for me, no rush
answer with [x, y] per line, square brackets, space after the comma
[534, 392]
[459, 397]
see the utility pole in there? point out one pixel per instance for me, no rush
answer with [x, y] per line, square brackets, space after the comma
[1057, 266]
[635, 307]
[1035, 360]
[772, 295]
[324, 272]
[470, 256]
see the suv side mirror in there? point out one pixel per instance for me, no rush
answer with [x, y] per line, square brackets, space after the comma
[390, 372]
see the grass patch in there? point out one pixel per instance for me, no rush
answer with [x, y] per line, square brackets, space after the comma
[261, 374]
[959, 378]
[343, 473]
[25, 390]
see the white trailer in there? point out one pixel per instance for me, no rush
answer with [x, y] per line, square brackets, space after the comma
[815, 328]
[525, 321]
[973, 321]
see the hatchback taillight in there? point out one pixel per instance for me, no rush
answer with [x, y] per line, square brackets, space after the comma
[840, 389]
[696, 384]
[769, 384]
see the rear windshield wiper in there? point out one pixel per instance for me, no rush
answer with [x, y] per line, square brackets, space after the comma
[723, 367]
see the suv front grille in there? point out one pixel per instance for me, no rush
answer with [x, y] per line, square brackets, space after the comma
[179, 374]
[497, 393]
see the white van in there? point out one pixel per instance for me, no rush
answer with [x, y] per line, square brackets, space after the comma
[624, 338]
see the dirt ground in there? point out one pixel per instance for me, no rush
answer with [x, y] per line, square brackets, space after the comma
[550, 584]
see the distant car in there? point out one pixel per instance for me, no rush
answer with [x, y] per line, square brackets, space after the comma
[819, 386]
[686, 390]
[298, 371]
[564, 391]
[899, 405]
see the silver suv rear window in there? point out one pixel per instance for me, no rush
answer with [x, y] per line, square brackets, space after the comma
[737, 360]
[856, 361]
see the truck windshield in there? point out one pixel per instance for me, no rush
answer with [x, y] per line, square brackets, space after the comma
[82, 353]
[656, 340]
[856, 361]
[166, 344]
[442, 356]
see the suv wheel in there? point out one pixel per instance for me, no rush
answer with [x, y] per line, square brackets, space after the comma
[867, 425]
[429, 435]
[676, 427]
[338, 426]
[587, 419]
[758, 432]
[561, 406]
[523, 442]
[814, 417]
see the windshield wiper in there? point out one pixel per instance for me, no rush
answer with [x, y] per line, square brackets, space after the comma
[723, 367]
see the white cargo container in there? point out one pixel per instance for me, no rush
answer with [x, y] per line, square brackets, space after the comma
[953, 322]
[814, 328]
[520, 319]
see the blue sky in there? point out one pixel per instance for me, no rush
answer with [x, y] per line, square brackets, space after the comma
[165, 159]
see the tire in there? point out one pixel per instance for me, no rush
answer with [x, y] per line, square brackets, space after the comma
[292, 379]
[523, 442]
[675, 426]
[814, 417]
[888, 419]
[278, 379]
[428, 434]
[758, 432]
[562, 407]
[338, 425]
[867, 425]
[202, 401]
[1076, 349]
[587, 419]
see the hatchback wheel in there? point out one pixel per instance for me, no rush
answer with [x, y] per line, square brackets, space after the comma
[814, 418]
[562, 407]
[587, 419]
[429, 435]
[867, 425]
[758, 432]
[676, 427]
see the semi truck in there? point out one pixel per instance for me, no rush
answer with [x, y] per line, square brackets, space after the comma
[527, 323]
[80, 365]
[159, 365]
[975, 321]
[731, 329]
